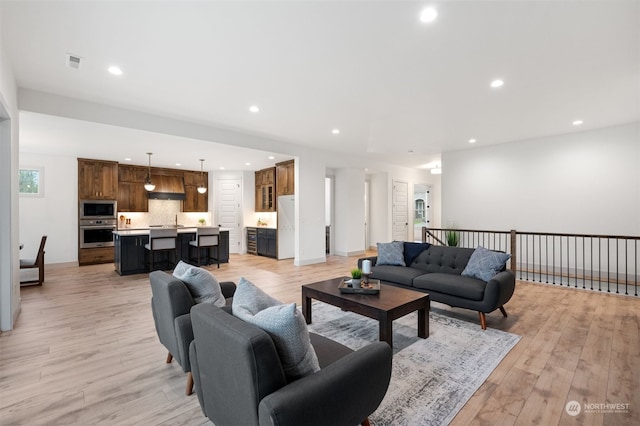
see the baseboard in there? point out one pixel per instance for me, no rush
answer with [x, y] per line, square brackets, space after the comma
[350, 253]
[310, 261]
[59, 265]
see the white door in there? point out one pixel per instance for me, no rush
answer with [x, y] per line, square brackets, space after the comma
[228, 211]
[366, 215]
[400, 211]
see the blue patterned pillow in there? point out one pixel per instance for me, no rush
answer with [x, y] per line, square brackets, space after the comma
[484, 263]
[391, 253]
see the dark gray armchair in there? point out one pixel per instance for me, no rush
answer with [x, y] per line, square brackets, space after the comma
[239, 378]
[171, 304]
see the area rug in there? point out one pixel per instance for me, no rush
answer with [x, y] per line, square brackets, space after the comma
[432, 378]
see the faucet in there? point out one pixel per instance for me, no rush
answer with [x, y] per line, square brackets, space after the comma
[176, 221]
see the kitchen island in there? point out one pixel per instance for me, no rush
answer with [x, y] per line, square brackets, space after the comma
[130, 256]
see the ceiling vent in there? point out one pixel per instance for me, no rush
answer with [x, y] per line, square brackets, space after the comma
[73, 61]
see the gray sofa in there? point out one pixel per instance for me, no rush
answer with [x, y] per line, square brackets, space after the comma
[437, 271]
[239, 378]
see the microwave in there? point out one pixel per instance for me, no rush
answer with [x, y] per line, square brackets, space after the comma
[98, 209]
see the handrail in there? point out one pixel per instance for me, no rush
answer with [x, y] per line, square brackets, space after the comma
[590, 261]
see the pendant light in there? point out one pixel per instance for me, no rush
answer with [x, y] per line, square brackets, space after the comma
[147, 184]
[202, 188]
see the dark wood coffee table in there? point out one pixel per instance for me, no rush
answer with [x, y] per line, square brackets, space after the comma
[390, 304]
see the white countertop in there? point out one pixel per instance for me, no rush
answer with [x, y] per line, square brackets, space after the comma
[128, 232]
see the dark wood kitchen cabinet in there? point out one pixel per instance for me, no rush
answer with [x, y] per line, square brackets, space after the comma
[129, 254]
[267, 242]
[194, 201]
[285, 178]
[266, 190]
[95, 255]
[97, 179]
[132, 197]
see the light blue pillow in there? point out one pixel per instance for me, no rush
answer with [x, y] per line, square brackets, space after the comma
[202, 285]
[284, 323]
[391, 253]
[484, 264]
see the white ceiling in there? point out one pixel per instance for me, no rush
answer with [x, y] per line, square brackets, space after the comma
[390, 83]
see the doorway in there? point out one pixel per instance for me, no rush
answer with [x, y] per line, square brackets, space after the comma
[421, 212]
[228, 210]
[400, 211]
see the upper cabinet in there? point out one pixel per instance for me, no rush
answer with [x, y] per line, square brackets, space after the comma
[266, 190]
[285, 178]
[195, 201]
[107, 180]
[132, 197]
[97, 179]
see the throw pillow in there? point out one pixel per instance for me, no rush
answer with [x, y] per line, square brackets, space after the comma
[202, 285]
[284, 323]
[413, 250]
[391, 253]
[484, 263]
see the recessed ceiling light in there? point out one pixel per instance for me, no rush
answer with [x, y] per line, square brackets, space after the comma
[428, 14]
[127, 159]
[178, 164]
[221, 168]
[577, 122]
[115, 70]
[472, 141]
[247, 164]
[254, 108]
[336, 131]
[271, 157]
[497, 83]
[410, 151]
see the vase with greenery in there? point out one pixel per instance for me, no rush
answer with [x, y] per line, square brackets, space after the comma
[202, 221]
[452, 238]
[356, 277]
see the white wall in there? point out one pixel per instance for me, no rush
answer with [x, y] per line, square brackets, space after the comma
[349, 212]
[587, 182]
[9, 243]
[56, 213]
[310, 215]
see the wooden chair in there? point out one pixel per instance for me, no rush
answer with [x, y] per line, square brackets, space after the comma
[207, 237]
[162, 240]
[38, 262]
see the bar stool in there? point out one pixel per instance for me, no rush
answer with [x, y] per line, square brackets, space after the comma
[206, 237]
[162, 240]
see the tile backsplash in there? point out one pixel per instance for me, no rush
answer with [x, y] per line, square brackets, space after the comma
[164, 212]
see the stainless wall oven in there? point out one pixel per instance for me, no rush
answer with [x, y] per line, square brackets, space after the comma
[97, 232]
[98, 209]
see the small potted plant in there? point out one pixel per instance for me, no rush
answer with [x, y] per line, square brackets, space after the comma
[201, 221]
[452, 238]
[356, 277]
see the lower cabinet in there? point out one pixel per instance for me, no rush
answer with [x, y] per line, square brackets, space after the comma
[129, 254]
[188, 254]
[95, 255]
[267, 243]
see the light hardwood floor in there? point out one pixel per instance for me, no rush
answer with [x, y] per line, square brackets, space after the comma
[84, 351]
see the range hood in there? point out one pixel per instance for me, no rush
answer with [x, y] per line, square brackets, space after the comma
[167, 188]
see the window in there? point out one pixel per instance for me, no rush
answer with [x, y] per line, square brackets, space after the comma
[31, 181]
